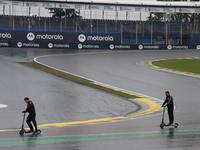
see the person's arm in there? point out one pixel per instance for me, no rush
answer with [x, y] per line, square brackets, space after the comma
[166, 102]
[163, 105]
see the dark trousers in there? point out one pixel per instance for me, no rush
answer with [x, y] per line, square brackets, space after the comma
[31, 118]
[171, 115]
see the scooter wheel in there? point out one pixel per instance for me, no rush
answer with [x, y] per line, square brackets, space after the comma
[39, 131]
[162, 125]
[21, 132]
[176, 125]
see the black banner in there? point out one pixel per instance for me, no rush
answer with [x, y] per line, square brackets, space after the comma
[55, 40]
[61, 38]
[79, 46]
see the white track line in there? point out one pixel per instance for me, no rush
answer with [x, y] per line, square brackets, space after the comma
[3, 106]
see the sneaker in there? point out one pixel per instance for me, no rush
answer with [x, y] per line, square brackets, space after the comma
[35, 133]
[29, 131]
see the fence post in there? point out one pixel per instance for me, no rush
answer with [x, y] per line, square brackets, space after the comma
[45, 23]
[136, 33]
[166, 33]
[49, 23]
[91, 20]
[105, 27]
[151, 32]
[91, 26]
[116, 19]
[91, 13]
[13, 20]
[181, 34]
[60, 24]
[9, 10]
[97, 25]
[3, 9]
[29, 20]
[10, 18]
[143, 28]
[121, 32]
[65, 18]
[76, 26]
[39, 16]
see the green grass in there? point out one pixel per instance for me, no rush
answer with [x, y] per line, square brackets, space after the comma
[186, 65]
[76, 79]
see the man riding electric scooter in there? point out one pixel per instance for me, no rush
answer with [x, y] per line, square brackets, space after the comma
[170, 106]
[31, 117]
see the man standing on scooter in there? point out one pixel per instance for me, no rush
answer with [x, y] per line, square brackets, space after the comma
[170, 106]
[31, 117]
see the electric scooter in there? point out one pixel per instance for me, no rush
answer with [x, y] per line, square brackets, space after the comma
[162, 125]
[22, 131]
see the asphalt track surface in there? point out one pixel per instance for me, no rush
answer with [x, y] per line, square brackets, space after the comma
[120, 69]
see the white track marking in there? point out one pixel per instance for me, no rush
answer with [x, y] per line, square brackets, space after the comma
[3, 106]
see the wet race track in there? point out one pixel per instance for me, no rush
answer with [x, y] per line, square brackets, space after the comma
[58, 101]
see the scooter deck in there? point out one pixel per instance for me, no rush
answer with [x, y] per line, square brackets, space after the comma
[162, 125]
[22, 131]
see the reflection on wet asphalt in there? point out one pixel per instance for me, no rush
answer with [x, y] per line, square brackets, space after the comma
[117, 69]
[168, 139]
[56, 100]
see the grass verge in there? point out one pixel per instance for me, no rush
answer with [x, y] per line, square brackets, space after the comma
[76, 79]
[185, 65]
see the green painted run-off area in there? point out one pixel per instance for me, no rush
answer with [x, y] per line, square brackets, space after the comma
[23, 141]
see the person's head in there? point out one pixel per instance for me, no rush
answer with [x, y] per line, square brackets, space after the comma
[26, 99]
[167, 93]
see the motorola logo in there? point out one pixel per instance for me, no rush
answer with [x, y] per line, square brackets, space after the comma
[80, 46]
[169, 47]
[50, 45]
[140, 47]
[30, 36]
[19, 44]
[82, 38]
[112, 46]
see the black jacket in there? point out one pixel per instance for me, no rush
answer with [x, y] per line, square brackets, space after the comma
[169, 102]
[30, 107]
